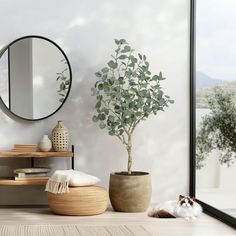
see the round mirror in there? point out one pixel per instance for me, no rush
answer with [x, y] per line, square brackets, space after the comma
[35, 77]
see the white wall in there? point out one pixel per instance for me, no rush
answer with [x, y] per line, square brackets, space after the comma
[85, 30]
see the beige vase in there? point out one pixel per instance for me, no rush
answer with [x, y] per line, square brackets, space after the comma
[60, 137]
[130, 193]
[45, 144]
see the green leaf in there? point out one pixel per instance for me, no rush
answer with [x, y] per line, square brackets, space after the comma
[111, 132]
[102, 125]
[99, 97]
[132, 83]
[98, 104]
[123, 41]
[101, 116]
[121, 80]
[171, 101]
[117, 107]
[131, 104]
[100, 86]
[105, 70]
[117, 41]
[144, 58]
[126, 49]
[140, 56]
[106, 111]
[98, 74]
[134, 60]
[61, 100]
[121, 131]
[62, 86]
[67, 82]
[112, 64]
[104, 77]
[160, 77]
[111, 80]
[147, 64]
[122, 57]
[106, 87]
[95, 118]
[111, 118]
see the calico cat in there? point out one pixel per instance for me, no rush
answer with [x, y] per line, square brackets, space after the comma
[185, 207]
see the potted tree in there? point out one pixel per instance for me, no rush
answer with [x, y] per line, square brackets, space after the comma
[126, 93]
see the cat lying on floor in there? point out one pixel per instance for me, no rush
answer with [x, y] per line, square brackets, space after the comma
[185, 207]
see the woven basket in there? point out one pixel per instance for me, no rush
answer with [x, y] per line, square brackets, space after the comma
[79, 201]
[60, 137]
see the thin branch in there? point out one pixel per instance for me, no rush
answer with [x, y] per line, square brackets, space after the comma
[122, 139]
[136, 123]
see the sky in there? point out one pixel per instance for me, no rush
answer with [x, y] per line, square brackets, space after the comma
[215, 38]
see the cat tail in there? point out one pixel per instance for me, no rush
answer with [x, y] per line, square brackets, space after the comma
[160, 214]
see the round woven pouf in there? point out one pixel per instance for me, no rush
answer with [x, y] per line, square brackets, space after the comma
[79, 201]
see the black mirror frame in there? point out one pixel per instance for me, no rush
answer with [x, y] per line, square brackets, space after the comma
[210, 210]
[2, 51]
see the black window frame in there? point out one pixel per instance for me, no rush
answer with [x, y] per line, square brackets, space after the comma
[210, 210]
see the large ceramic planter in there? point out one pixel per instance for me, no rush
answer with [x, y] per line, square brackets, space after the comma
[130, 193]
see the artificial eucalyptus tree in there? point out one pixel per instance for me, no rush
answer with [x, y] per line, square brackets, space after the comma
[126, 93]
[218, 129]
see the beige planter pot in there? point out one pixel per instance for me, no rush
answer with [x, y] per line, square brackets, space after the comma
[130, 193]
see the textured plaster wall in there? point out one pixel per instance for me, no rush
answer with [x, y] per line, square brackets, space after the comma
[85, 30]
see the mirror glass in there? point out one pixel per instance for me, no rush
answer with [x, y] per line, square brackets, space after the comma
[35, 77]
[215, 82]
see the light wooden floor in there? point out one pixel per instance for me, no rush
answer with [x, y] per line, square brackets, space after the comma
[204, 226]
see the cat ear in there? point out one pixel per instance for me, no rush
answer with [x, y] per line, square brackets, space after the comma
[181, 197]
[193, 198]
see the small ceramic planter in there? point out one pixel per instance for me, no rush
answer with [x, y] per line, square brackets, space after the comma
[45, 144]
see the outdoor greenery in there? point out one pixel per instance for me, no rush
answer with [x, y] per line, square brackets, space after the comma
[218, 129]
[126, 93]
[64, 82]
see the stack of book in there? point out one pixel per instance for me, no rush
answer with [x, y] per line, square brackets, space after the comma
[31, 174]
[24, 148]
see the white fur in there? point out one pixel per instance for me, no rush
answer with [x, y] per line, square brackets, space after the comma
[185, 210]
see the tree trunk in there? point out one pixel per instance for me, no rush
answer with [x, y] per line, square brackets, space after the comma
[129, 150]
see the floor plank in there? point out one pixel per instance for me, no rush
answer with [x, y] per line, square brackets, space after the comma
[204, 226]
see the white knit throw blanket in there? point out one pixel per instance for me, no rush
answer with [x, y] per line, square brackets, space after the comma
[59, 181]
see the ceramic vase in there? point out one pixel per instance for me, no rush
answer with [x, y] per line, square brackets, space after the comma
[60, 137]
[45, 144]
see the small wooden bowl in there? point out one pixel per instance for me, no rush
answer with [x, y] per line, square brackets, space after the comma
[79, 201]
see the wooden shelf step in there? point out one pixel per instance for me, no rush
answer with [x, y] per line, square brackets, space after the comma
[10, 154]
[8, 181]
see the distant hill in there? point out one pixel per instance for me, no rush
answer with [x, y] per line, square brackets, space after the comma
[205, 87]
[203, 80]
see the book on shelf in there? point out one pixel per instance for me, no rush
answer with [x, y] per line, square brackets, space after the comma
[29, 175]
[32, 178]
[25, 145]
[24, 148]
